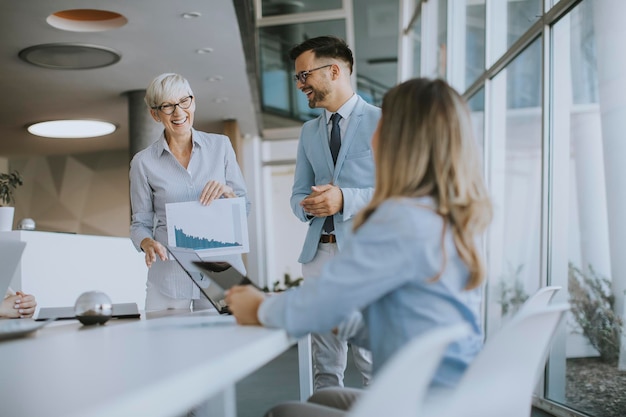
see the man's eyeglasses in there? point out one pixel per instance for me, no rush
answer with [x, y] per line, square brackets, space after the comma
[171, 108]
[301, 76]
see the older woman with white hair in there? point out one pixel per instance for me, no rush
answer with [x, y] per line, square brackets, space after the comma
[183, 164]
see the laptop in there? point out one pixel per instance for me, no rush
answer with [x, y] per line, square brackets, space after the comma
[10, 255]
[120, 311]
[212, 277]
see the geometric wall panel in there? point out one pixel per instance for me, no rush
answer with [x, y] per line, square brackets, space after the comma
[85, 193]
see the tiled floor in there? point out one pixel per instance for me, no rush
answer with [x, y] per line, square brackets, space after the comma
[278, 382]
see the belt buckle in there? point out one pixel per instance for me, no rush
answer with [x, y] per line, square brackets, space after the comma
[330, 238]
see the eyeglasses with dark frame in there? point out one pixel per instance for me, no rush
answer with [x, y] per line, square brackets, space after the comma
[168, 108]
[301, 76]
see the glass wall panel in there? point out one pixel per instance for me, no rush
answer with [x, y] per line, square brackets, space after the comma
[279, 93]
[281, 7]
[588, 122]
[474, 41]
[442, 38]
[510, 20]
[515, 168]
[416, 38]
[376, 47]
[477, 111]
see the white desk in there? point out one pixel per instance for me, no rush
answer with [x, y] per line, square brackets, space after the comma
[156, 367]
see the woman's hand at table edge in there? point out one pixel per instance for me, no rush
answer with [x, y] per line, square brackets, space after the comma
[18, 305]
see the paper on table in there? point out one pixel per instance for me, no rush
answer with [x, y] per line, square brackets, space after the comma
[221, 228]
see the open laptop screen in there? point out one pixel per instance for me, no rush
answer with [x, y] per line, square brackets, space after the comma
[212, 278]
[10, 255]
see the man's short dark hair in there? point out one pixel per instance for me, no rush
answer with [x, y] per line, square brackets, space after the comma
[325, 47]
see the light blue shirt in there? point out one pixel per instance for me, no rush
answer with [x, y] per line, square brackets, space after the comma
[157, 178]
[345, 112]
[385, 272]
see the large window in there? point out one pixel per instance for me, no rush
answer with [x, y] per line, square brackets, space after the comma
[586, 127]
[546, 93]
[515, 166]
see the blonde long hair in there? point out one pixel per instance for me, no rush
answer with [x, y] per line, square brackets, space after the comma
[426, 148]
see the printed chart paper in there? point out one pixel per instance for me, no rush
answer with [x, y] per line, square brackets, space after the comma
[221, 228]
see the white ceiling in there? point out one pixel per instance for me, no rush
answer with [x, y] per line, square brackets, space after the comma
[156, 39]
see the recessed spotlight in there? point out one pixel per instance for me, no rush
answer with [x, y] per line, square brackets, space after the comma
[191, 15]
[204, 50]
[72, 129]
[220, 100]
[215, 78]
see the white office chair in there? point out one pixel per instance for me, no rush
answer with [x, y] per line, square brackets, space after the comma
[540, 299]
[401, 384]
[501, 380]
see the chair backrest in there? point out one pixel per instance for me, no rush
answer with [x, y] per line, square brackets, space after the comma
[501, 380]
[540, 299]
[399, 387]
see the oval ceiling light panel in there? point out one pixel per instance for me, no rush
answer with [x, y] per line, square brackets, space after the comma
[72, 129]
[86, 20]
[70, 56]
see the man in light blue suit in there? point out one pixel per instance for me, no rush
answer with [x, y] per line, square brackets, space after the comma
[334, 178]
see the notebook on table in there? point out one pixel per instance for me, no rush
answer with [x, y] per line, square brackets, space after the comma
[213, 278]
[120, 311]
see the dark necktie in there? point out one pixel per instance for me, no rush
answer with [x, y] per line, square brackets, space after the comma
[335, 144]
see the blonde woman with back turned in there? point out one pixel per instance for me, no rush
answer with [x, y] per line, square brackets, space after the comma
[413, 263]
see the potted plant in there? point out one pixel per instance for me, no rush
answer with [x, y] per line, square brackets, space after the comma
[8, 184]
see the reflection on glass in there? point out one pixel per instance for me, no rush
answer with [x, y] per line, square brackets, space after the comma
[376, 48]
[589, 380]
[279, 93]
[474, 41]
[416, 37]
[510, 20]
[281, 7]
[476, 105]
[516, 169]
[442, 38]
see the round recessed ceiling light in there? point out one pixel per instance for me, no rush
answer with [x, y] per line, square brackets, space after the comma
[70, 56]
[86, 20]
[215, 78]
[204, 50]
[191, 15]
[72, 129]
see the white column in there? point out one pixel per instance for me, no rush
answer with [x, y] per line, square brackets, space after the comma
[253, 173]
[591, 192]
[610, 32]
[142, 129]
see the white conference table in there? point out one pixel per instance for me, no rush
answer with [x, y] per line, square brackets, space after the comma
[161, 366]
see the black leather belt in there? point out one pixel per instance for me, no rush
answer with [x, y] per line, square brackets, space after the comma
[328, 239]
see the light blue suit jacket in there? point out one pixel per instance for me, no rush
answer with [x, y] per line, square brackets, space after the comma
[353, 173]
